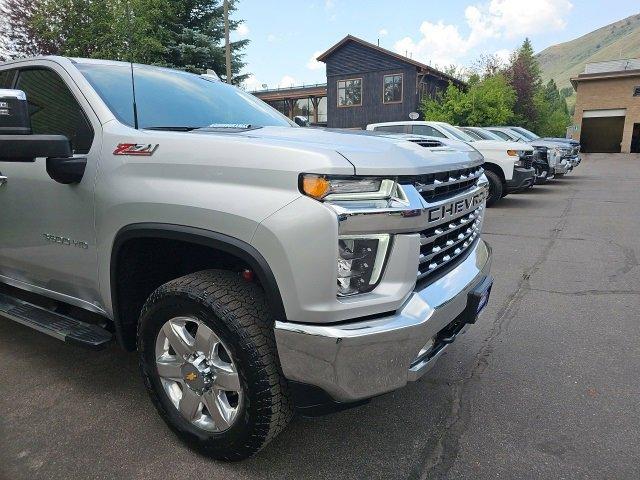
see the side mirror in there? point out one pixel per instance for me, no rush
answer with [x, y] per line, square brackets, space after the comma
[26, 148]
[17, 144]
[14, 113]
[301, 121]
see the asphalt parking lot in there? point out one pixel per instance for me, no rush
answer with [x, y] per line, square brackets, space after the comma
[546, 385]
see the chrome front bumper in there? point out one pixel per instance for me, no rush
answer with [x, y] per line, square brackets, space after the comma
[361, 359]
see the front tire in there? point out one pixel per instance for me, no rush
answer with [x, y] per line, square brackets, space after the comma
[209, 361]
[496, 189]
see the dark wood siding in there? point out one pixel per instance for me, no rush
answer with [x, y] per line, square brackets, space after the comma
[358, 61]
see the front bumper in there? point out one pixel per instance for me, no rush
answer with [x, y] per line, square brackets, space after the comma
[361, 359]
[563, 167]
[522, 178]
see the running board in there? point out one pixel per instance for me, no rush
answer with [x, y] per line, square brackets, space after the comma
[59, 326]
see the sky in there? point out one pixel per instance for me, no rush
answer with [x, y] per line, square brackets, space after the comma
[287, 35]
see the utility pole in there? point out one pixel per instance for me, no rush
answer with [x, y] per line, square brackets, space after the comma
[227, 45]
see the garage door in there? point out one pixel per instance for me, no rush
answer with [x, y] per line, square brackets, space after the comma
[602, 130]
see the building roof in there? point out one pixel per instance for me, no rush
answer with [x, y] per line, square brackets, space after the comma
[420, 66]
[604, 75]
[304, 91]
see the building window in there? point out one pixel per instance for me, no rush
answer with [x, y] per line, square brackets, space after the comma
[350, 92]
[636, 92]
[392, 88]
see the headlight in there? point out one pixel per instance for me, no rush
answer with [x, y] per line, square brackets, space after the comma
[360, 262]
[325, 187]
[516, 153]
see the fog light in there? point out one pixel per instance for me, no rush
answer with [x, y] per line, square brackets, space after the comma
[360, 262]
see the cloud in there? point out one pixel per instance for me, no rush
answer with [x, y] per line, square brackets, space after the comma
[252, 83]
[503, 55]
[286, 81]
[242, 31]
[329, 4]
[314, 64]
[383, 32]
[443, 44]
[271, 38]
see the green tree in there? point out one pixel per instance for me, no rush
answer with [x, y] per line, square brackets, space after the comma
[487, 101]
[553, 114]
[523, 74]
[185, 34]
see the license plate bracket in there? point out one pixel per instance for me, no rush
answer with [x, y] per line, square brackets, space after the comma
[477, 299]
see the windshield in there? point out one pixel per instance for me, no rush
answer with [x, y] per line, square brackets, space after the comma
[457, 133]
[471, 133]
[487, 135]
[527, 133]
[173, 99]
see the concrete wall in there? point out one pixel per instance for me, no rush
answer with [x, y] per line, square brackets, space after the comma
[610, 93]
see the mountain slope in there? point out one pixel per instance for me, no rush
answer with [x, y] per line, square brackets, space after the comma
[565, 60]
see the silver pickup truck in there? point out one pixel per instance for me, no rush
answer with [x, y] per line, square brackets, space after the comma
[256, 267]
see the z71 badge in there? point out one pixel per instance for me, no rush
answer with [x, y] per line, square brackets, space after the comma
[136, 149]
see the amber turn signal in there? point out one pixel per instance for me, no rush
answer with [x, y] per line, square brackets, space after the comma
[315, 187]
[512, 153]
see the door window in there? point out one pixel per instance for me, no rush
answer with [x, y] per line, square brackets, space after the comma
[6, 76]
[426, 130]
[391, 128]
[53, 108]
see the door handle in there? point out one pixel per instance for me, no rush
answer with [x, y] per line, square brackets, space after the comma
[3, 180]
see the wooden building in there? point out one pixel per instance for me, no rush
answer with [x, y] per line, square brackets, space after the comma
[365, 84]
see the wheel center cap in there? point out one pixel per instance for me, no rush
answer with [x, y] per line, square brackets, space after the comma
[196, 374]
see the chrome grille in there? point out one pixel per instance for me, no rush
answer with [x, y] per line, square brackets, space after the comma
[526, 158]
[442, 245]
[435, 186]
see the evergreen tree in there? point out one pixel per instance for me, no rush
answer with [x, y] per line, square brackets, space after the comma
[184, 34]
[18, 38]
[523, 73]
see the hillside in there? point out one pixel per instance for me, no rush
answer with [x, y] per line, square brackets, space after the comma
[565, 60]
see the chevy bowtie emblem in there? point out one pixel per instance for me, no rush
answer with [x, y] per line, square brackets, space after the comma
[191, 376]
[136, 149]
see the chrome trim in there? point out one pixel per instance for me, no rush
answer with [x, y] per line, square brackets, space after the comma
[9, 93]
[361, 359]
[421, 187]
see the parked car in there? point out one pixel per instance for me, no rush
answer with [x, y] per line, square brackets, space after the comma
[255, 266]
[508, 166]
[543, 170]
[575, 145]
[559, 154]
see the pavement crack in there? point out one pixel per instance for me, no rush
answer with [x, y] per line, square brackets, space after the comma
[583, 293]
[440, 459]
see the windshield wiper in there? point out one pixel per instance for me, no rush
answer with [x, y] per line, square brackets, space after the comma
[172, 129]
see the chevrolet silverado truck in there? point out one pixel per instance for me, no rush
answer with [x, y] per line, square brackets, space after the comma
[543, 170]
[255, 266]
[508, 166]
[562, 157]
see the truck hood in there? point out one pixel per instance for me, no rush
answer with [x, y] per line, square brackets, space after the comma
[483, 145]
[372, 153]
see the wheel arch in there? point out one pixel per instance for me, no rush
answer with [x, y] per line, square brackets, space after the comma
[495, 168]
[188, 235]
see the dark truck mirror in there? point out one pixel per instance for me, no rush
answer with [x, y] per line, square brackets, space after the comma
[301, 121]
[18, 144]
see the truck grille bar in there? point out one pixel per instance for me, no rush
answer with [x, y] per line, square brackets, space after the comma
[444, 184]
[526, 158]
[442, 245]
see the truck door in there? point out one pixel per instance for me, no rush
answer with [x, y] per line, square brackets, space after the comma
[47, 235]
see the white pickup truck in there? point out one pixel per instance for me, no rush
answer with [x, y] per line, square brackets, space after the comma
[508, 166]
